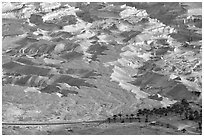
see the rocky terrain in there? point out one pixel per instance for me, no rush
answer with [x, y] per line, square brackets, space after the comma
[101, 68]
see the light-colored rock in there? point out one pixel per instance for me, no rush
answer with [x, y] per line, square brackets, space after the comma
[9, 6]
[59, 13]
[51, 61]
[48, 6]
[59, 47]
[32, 89]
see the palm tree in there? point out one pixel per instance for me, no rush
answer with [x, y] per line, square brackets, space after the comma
[196, 115]
[138, 116]
[163, 111]
[109, 120]
[183, 130]
[200, 113]
[132, 115]
[168, 108]
[144, 111]
[139, 120]
[120, 115]
[160, 111]
[184, 102]
[139, 111]
[151, 112]
[186, 114]
[180, 112]
[190, 117]
[200, 126]
[175, 107]
[147, 112]
[127, 116]
[154, 109]
[146, 119]
[114, 117]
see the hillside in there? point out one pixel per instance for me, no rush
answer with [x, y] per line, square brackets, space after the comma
[86, 62]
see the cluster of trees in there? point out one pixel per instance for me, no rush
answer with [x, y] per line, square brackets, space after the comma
[181, 109]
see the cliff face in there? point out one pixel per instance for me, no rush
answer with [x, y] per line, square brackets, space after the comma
[87, 61]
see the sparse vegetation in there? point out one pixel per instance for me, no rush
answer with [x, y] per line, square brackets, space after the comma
[68, 61]
[179, 109]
